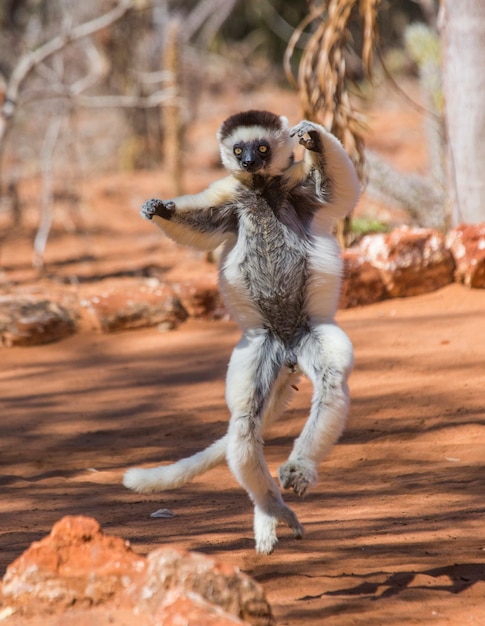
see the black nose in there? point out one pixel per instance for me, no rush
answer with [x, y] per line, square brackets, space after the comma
[248, 164]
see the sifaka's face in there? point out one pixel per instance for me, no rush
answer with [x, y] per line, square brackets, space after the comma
[252, 155]
[249, 149]
[256, 143]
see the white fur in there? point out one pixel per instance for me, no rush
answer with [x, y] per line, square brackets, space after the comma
[175, 475]
[318, 436]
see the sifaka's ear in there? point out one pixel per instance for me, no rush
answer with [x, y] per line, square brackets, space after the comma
[285, 127]
[284, 122]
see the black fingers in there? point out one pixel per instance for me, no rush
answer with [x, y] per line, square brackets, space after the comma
[153, 207]
[307, 142]
[308, 136]
[312, 141]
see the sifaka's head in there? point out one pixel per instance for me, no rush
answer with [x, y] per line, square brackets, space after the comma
[256, 142]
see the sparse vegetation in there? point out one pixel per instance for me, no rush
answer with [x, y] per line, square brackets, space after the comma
[360, 226]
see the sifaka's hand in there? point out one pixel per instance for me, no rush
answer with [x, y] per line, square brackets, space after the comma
[153, 207]
[308, 135]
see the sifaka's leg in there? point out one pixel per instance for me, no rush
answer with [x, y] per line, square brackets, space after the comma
[253, 372]
[325, 355]
[176, 474]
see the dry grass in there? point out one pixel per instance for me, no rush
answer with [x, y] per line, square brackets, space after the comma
[322, 78]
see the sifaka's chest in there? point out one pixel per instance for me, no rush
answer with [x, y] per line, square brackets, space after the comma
[273, 249]
[269, 223]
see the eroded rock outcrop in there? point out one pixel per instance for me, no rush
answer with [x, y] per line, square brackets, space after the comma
[362, 282]
[411, 261]
[76, 565]
[79, 575]
[467, 245]
[201, 297]
[126, 304]
[32, 321]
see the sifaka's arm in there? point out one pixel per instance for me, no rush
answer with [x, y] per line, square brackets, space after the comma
[203, 220]
[327, 164]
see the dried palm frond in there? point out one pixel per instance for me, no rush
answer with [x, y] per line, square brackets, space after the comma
[321, 79]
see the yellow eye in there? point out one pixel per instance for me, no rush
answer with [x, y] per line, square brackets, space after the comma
[237, 151]
[263, 148]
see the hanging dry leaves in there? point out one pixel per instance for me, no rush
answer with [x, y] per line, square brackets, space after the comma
[321, 79]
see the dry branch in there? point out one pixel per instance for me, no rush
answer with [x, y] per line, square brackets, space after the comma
[47, 154]
[322, 81]
[97, 68]
[31, 60]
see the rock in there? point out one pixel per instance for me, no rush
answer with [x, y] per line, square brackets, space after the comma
[201, 298]
[76, 565]
[195, 611]
[362, 282]
[80, 576]
[28, 321]
[126, 304]
[214, 581]
[467, 245]
[411, 261]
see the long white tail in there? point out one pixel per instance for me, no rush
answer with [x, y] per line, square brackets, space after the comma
[177, 474]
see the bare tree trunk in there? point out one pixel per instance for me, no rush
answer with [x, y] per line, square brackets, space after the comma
[48, 149]
[463, 36]
[173, 126]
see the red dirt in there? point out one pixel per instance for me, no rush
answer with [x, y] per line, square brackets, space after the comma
[394, 529]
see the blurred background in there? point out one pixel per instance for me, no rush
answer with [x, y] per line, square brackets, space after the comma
[102, 87]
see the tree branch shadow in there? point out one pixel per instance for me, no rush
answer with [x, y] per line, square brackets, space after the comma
[453, 579]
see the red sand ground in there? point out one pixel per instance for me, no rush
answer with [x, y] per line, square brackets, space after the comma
[394, 530]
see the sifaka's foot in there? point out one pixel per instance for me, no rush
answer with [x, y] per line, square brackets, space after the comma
[297, 475]
[266, 522]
